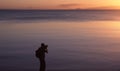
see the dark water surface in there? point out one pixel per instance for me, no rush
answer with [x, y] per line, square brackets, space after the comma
[75, 15]
[77, 40]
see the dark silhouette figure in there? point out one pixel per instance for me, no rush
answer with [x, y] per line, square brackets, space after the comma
[40, 54]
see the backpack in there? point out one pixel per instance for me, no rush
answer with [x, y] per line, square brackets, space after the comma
[37, 53]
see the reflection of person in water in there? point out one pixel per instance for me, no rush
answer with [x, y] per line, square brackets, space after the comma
[40, 54]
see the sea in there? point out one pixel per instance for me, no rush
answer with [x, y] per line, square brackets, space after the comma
[78, 40]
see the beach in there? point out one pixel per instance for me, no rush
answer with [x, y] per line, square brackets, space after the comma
[77, 40]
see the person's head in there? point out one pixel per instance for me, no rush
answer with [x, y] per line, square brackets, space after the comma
[42, 44]
[44, 47]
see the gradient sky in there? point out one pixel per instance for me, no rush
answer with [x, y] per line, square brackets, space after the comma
[59, 4]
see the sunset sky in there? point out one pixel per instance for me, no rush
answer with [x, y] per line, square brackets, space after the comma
[59, 4]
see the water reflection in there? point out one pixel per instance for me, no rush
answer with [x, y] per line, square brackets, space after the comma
[73, 45]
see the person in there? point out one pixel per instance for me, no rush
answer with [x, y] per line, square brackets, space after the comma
[40, 54]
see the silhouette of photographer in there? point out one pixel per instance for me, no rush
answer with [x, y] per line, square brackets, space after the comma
[40, 54]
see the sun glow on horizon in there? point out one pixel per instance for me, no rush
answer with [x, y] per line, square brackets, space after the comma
[60, 4]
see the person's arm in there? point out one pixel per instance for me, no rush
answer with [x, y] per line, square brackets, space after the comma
[46, 50]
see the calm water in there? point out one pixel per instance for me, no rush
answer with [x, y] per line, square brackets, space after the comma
[78, 40]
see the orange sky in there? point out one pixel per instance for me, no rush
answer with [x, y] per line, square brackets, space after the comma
[59, 4]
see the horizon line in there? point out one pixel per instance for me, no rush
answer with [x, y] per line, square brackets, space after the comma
[61, 9]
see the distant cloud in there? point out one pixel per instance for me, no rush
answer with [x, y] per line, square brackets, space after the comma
[69, 5]
[106, 7]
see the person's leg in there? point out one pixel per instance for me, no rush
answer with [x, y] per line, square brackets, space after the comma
[42, 64]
